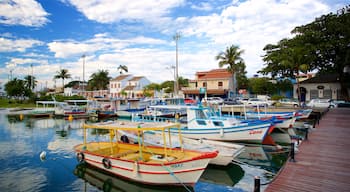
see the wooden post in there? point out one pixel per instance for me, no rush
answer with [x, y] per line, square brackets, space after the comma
[292, 152]
[256, 184]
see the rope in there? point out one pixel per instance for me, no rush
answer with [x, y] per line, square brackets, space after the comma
[171, 173]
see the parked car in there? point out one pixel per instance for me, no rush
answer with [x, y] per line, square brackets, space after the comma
[190, 101]
[255, 101]
[213, 100]
[322, 103]
[230, 101]
[289, 102]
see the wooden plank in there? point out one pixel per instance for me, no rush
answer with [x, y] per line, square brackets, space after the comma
[323, 161]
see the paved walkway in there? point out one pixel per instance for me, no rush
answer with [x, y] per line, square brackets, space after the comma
[323, 161]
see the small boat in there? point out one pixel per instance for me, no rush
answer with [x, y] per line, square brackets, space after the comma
[141, 162]
[203, 122]
[227, 151]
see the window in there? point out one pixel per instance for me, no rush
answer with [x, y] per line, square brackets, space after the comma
[204, 84]
[220, 84]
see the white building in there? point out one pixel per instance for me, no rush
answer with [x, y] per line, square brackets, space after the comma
[127, 86]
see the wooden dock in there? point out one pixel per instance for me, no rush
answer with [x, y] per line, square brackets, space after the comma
[323, 161]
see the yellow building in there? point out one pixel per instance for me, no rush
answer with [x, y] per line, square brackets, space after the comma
[216, 82]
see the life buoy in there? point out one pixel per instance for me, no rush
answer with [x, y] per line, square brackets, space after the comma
[80, 157]
[106, 163]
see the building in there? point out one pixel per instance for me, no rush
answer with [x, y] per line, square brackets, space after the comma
[127, 86]
[216, 82]
[117, 84]
[325, 86]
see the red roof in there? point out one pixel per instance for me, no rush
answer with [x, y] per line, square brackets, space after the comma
[213, 74]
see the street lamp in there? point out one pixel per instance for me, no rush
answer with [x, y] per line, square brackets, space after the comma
[173, 67]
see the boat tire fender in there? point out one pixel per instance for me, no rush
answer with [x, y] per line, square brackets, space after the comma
[106, 163]
[80, 157]
[124, 138]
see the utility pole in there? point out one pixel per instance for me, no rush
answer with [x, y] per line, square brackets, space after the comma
[83, 56]
[176, 37]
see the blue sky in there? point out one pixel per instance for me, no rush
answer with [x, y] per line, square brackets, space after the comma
[45, 36]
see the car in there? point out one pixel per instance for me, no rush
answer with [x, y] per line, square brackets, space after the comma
[289, 102]
[321, 103]
[213, 100]
[230, 101]
[255, 101]
[190, 101]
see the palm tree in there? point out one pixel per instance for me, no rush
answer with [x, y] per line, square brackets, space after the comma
[122, 68]
[62, 74]
[232, 58]
[99, 80]
[30, 82]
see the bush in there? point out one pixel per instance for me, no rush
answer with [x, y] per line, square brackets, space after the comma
[276, 97]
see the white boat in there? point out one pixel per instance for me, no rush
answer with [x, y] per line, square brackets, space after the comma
[138, 162]
[203, 123]
[227, 151]
[287, 119]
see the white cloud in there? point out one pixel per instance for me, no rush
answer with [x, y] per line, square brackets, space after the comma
[100, 43]
[110, 11]
[22, 12]
[203, 6]
[22, 61]
[252, 24]
[18, 45]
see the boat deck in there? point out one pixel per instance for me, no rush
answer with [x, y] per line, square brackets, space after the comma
[323, 161]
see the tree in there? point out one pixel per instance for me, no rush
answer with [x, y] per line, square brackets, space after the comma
[17, 88]
[235, 64]
[99, 80]
[122, 68]
[30, 82]
[62, 74]
[287, 59]
[261, 86]
[322, 45]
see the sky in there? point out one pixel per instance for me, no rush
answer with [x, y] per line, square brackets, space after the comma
[41, 37]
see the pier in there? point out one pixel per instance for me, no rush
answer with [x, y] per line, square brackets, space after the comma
[323, 161]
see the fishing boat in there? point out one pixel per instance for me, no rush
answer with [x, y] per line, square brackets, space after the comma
[227, 151]
[203, 122]
[140, 162]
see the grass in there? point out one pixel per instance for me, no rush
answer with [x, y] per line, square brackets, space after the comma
[11, 103]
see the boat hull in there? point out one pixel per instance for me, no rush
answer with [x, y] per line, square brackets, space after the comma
[150, 172]
[251, 134]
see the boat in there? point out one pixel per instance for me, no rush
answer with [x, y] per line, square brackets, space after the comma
[140, 162]
[227, 151]
[203, 122]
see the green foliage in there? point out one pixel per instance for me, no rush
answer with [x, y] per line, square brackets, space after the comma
[235, 64]
[99, 80]
[276, 97]
[321, 45]
[17, 88]
[261, 86]
[62, 74]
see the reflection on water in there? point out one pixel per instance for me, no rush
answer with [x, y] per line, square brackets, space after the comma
[22, 140]
[108, 182]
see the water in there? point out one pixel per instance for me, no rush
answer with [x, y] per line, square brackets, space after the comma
[21, 168]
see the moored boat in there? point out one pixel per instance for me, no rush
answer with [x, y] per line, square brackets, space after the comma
[203, 122]
[140, 162]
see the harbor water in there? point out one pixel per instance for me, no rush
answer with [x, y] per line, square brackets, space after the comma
[37, 155]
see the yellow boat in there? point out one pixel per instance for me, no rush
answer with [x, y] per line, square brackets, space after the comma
[139, 162]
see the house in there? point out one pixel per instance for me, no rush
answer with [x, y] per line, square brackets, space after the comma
[325, 86]
[128, 86]
[216, 82]
[135, 86]
[117, 84]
